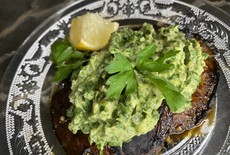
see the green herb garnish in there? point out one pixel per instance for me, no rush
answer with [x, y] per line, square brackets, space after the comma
[66, 59]
[145, 61]
[123, 76]
[173, 97]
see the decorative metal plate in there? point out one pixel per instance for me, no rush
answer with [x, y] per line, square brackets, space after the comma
[27, 117]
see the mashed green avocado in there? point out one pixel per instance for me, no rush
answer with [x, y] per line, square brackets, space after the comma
[114, 122]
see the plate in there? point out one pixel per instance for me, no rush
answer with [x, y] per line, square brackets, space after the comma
[27, 127]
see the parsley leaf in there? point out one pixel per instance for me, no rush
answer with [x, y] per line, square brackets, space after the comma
[123, 77]
[145, 54]
[145, 62]
[173, 97]
[64, 71]
[66, 59]
[146, 65]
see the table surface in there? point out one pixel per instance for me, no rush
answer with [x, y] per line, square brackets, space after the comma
[19, 18]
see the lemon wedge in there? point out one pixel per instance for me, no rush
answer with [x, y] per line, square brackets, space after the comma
[91, 32]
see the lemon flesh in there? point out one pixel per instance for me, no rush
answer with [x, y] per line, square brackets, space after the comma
[91, 32]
